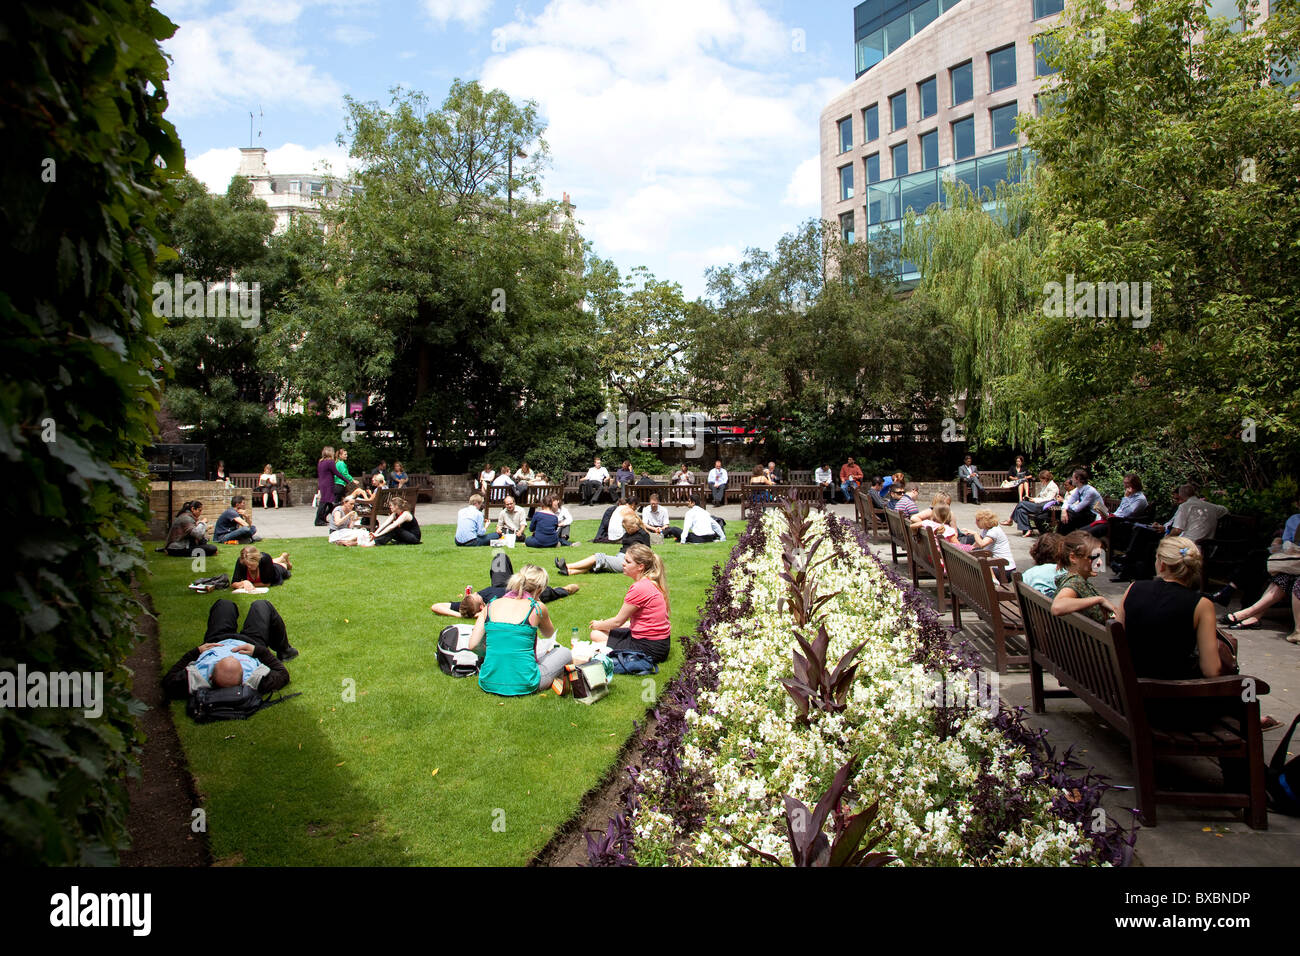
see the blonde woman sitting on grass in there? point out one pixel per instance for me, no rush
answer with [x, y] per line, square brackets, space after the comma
[515, 662]
[645, 609]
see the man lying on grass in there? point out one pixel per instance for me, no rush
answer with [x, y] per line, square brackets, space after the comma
[229, 657]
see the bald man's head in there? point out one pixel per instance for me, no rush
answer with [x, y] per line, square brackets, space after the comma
[227, 673]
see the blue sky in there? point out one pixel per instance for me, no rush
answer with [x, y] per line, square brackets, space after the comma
[683, 130]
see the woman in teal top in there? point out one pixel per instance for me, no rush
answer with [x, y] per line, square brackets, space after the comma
[512, 665]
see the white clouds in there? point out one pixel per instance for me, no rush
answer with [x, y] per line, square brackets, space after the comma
[805, 186]
[215, 167]
[221, 62]
[468, 12]
[671, 122]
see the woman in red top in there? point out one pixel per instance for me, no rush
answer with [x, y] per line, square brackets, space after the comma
[645, 609]
[257, 570]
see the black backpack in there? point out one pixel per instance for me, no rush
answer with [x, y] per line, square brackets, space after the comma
[228, 703]
[454, 656]
[1283, 782]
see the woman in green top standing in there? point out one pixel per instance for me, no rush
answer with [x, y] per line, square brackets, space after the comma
[512, 666]
[1080, 555]
[342, 477]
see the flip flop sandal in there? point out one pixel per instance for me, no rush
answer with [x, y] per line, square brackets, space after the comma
[1235, 625]
[1268, 722]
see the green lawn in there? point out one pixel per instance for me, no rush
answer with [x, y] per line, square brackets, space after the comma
[421, 768]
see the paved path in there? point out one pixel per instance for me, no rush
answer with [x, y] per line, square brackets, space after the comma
[1184, 837]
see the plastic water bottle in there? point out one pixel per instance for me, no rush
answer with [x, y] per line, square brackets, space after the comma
[573, 635]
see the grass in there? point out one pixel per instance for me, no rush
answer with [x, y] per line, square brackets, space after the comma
[420, 768]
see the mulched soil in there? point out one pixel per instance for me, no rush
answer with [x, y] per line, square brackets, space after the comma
[163, 798]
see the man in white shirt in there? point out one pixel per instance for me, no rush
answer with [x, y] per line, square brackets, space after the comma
[699, 525]
[511, 519]
[824, 480]
[1196, 518]
[566, 520]
[656, 519]
[717, 482]
[594, 483]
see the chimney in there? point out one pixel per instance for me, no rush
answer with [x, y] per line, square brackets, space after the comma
[252, 162]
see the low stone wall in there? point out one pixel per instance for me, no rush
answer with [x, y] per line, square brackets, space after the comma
[214, 495]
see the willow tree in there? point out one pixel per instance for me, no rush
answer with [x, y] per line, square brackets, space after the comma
[983, 275]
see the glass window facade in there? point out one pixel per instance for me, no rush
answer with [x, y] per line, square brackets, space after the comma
[870, 123]
[930, 149]
[1002, 68]
[873, 168]
[1042, 50]
[898, 111]
[882, 26]
[899, 154]
[1045, 8]
[963, 138]
[846, 182]
[846, 134]
[1003, 121]
[846, 227]
[963, 83]
[1228, 10]
[928, 93]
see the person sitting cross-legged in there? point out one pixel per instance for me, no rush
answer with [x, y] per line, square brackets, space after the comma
[544, 528]
[633, 534]
[511, 518]
[471, 529]
[655, 519]
[970, 475]
[233, 525]
[345, 526]
[1029, 511]
[229, 656]
[699, 526]
[645, 609]
[515, 662]
[400, 527]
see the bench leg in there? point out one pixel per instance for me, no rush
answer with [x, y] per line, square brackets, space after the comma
[1036, 696]
[956, 611]
[1256, 815]
[1145, 767]
[1000, 648]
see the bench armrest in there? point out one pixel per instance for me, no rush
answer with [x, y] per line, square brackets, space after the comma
[1227, 685]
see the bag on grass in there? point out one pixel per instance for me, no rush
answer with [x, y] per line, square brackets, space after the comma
[454, 656]
[1283, 778]
[207, 704]
[589, 681]
[218, 582]
[633, 662]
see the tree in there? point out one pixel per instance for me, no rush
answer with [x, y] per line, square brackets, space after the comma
[457, 294]
[984, 275]
[812, 338]
[1169, 156]
[219, 385]
[643, 327]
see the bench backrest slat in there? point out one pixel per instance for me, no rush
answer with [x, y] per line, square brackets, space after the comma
[1089, 659]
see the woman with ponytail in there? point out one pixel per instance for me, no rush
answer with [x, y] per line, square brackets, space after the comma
[644, 611]
[1170, 626]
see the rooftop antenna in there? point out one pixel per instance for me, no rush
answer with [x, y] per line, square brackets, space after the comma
[250, 129]
[259, 122]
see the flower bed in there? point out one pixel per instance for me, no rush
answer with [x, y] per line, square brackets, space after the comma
[958, 781]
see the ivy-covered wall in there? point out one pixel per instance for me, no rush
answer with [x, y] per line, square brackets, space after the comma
[86, 153]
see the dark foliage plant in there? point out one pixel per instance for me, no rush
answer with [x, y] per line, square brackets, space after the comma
[810, 847]
[87, 158]
[815, 685]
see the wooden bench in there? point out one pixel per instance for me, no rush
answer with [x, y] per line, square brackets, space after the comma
[1092, 662]
[898, 533]
[992, 482]
[924, 557]
[378, 508]
[871, 517]
[418, 486]
[761, 497]
[247, 483]
[800, 477]
[970, 580]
